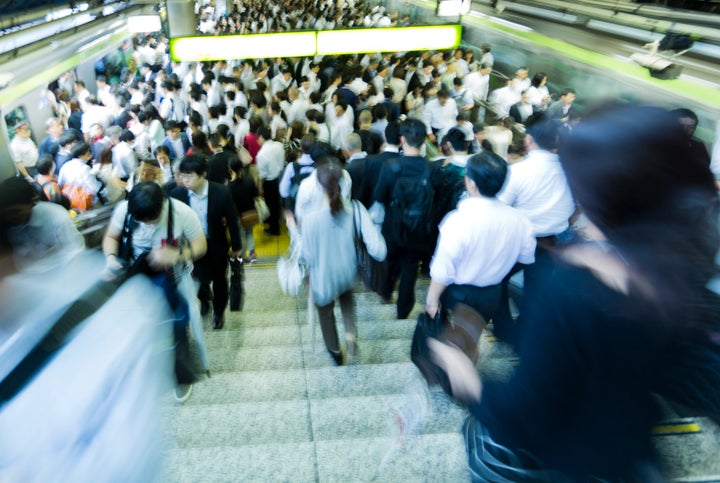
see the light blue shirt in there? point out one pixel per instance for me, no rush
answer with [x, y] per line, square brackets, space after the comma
[199, 204]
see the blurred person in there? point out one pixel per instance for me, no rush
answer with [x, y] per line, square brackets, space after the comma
[162, 156]
[42, 235]
[439, 115]
[176, 141]
[65, 143]
[270, 166]
[328, 248]
[520, 111]
[105, 379]
[76, 173]
[23, 150]
[582, 402]
[125, 160]
[113, 188]
[243, 191]
[46, 178]
[562, 108]
[538, 94]
[212, 203]
[148, 233]
[397, 177]
[689, 122]
[50, 144]
[479, 242]
[500, 136]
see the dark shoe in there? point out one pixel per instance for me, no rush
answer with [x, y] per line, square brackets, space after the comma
[183, 392]
[218, 322]
[337, 357]
[204, 308]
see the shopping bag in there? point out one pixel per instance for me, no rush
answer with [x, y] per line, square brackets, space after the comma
[291, 271]
[262, 208]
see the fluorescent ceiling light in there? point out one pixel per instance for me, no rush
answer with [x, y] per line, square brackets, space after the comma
[453, 8]
[399, 39]
[290, 44]
[144, 23]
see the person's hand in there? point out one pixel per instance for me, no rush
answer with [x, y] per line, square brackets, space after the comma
[112, 268]
[236, 254]
[461, 372]
[431, 137]
[432, 309]
[160, 258]
[289, 218]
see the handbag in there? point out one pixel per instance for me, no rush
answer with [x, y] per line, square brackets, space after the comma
[291, 271]
[374, 274]
[236, 287]
[249, 218]
[461, 327]
[262, 208]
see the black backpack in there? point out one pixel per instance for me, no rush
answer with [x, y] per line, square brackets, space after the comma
[409, 221]
[298, 176]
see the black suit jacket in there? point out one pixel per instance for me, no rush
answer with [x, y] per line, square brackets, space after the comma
[221, 215]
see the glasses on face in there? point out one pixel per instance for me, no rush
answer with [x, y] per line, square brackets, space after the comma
[188, 176]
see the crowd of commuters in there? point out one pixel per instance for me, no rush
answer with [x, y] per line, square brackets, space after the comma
[330, 142]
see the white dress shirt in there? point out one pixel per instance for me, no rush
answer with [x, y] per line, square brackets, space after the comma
[441, 117]
[24, 151]
[270, 160]
[537, 187]
[480, 242]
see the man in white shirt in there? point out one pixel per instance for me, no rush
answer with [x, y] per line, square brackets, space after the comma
[340, 122]
[270, 161]
[478, 83]
[439, 115]
[479, 242]
[537, 187]
[503, 98]
[24, 151]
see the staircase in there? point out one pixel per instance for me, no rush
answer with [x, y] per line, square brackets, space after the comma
[278, 409]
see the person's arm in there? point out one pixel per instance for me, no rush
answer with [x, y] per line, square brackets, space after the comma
[432, 302]
[465, 382]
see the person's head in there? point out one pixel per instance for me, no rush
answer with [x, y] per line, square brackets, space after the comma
[522, 73]
[486, 172]
[17, 199]
[54, 127]
[297, 129]
[687, 119]
[114, 132]
[145, 202]
[341, 106]
[485, 69]
[22, 129]
[264, 133]
[162, 155]
[199, 141]
[365, 118]
[485, 48]
[392, 133]
[82, 151]
[45, 165]
[412, 133]
[127, 136]
[567, 96]
[442, 96]
[306, 143]
[329, 174]
[454, 141]
[542, 132]
[539, 79]
[193, 169]
[149, 170]
[255, 123]
[353, 144]
[105, 156]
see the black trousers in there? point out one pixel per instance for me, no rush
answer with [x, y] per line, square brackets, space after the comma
[404, 265]
[484, 300]
[271, 190]
[212, 269]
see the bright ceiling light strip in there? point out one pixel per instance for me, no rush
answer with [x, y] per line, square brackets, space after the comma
[399, 39]
[260, 46]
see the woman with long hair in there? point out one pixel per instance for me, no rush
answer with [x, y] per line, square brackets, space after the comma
[243, 191]
[328, 249]
[625, 315]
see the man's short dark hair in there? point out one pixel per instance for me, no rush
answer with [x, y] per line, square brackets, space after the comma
[127, 136]
[44, 164]
[488, 171]
[68, 137]
[456, 137]
[414, 132]
[145, 201]
[392, 133]
[162, 149]
[80, 149]
[544, 131]
[684, 112]
[193, 163]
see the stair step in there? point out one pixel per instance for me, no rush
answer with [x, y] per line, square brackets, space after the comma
[240, 424]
